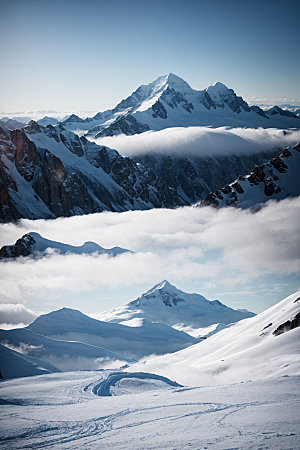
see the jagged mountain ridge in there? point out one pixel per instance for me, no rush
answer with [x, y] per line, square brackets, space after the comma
[48, 172]
[33, 244]
[169, 101]
[191, 313]
[275, 179]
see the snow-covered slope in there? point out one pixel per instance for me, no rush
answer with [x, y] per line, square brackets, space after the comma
[65, 355]
[145, 338]
[36, 245]
[277, 179]
[164, 303]
[267, 345]
[15, 364]
[169, 101]
[61, 411]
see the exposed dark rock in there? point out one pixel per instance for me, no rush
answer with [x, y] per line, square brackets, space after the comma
[288, 325]
[127, 125]
[238, 188]
[159, 110]
[174, 98]
[21, 248]
[259, 111]
[281, 112]
[226, 189]
[279, 164]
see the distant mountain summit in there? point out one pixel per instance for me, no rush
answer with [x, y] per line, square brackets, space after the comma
[169, 101]
[33, 244]
[191, 313]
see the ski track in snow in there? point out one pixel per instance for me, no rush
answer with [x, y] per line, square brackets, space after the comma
[62, 411]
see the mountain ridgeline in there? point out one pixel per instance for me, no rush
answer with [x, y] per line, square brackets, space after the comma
[169, 101]
[47, 170]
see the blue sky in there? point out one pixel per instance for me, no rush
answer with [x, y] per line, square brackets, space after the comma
[79, 55]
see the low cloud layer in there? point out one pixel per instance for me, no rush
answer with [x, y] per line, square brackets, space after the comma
[15, 315]
[202, 141]
[226, 247]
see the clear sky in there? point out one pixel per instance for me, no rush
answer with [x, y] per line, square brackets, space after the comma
[76, 55]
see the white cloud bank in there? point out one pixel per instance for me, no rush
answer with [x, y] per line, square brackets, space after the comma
[15, 315]
[203, 141]
[224, 247]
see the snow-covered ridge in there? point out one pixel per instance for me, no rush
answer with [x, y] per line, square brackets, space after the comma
[276, 179]
[267, 345]
[36, 245]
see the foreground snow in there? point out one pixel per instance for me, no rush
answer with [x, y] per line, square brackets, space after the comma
[62, 411]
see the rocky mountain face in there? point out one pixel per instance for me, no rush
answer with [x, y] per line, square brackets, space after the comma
[48, 172]
[169, 101]
[276, 179]
[193, 178]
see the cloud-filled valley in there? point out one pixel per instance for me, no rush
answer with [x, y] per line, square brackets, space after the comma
[202, 141]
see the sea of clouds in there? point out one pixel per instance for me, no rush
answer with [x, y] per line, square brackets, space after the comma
[225, 247]
[203, 141]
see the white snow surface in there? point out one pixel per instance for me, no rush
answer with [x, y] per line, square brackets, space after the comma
[247, 350]
[62, 411]
[191, 313]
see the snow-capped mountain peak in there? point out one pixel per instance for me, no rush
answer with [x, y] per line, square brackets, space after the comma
[163, 285]
[173, 81]
[164, 303]
[169, 101]
[163, 292]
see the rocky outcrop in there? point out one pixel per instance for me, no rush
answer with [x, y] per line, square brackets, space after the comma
[288, 325]
[278, 179]
[127, 125]
[23, 247]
